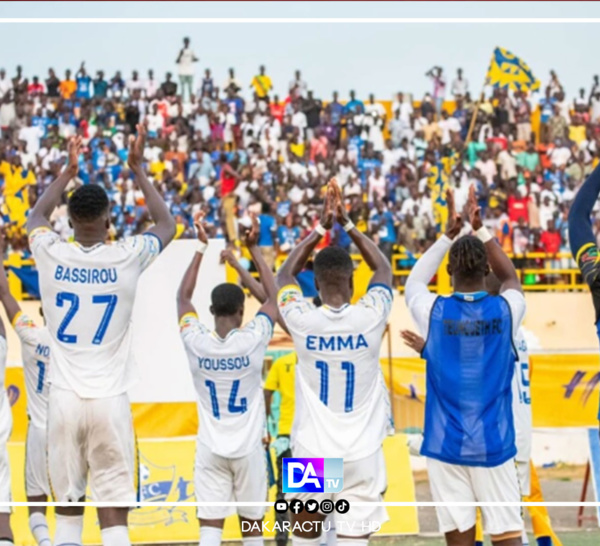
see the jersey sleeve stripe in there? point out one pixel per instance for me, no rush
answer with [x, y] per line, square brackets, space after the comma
[381, 285]
[16, 318]
[267, 317]
[150, 234]
[582, 250]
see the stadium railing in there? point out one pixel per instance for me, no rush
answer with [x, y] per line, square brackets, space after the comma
[537, 270]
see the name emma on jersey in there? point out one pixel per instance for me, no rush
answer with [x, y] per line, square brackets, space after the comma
[336, 343]
[86, 275]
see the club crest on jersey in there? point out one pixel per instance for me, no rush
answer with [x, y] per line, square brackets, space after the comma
[590, 255]
[289, 296]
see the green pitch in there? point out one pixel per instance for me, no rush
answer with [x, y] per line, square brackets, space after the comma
[569, 538]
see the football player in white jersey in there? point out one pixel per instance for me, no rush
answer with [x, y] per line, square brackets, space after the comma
[35, 352]
[88, 290]
[226, 366]
[342, 403]
[6, 536]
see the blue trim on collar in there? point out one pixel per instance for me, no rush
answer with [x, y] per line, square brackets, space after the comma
[470, 296]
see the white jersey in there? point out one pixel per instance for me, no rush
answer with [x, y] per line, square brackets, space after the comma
[522, 400]
[87, 297]
[227, 374]
[342, 403]
[35, 351]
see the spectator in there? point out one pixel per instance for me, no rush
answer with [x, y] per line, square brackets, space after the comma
[439, 87]
[231, 83]
[83, 83]
[168, 87]
[297, 87]
[52, 84]
[100, 86]
[460, 86]
[67, 86]
[262, 85]
[185, 61]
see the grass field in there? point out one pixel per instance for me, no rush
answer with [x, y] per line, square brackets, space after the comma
[569, 538]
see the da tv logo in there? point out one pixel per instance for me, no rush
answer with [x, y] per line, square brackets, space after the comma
[312, 475]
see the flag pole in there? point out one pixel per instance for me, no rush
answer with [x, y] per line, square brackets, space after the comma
[475, 112]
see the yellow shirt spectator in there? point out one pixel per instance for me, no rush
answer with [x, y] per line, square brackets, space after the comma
[281, 379]
[67, 88]
[577, 133]
[262, 85]
[158, 167]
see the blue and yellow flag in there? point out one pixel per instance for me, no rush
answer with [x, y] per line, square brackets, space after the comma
[437, 182]
[509, 71]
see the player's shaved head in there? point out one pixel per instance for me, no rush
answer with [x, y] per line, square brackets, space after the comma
[332, 266]
[87, 204]
[468, 260]
[227, 299]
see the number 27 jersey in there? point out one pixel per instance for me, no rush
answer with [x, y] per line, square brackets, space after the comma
[87, 297]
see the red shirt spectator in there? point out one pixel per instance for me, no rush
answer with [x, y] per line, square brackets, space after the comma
[35, 88]
[550, 240]
[518, 207]
[277, 109]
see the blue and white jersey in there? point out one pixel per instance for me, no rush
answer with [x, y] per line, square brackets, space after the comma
[342, 403]
[35, 351]
[87, 298]
[227, 374]
[470, 354]
[521, 395]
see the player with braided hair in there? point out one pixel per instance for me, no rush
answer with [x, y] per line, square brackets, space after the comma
[470, 350]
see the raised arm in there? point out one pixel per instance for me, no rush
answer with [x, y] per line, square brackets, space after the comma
[10, 304]
[39, 216]
[188, 282]
[248, 280]
[299, 255]
[428, 265]
[581, 237]
[164, 224]
[500, 263]
[376, 260]
[269, 307]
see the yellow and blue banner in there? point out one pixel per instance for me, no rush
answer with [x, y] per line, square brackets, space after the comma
[508, 71]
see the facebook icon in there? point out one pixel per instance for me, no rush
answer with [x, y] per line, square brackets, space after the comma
[312, 475]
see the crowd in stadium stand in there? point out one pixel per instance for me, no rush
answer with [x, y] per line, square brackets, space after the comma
[230, 147]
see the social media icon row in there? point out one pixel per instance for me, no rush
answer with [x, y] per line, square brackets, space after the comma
[311, 506]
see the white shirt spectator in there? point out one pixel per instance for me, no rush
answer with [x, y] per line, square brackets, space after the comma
[186, 62]
[155, 122]
[459, 87]
[5, 86]
[377, 187]
[31, 135]
[559, 156]
[487, 169]
[299, 120]
[448, 125]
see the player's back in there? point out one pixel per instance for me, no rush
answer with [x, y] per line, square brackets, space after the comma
[227, 375]
[342, 405]
[35, 351]
[88, 295]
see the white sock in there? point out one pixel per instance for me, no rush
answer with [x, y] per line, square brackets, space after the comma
[6, 542]
[352, 541]
[253, 541]
[329, 526]
[525, 538]
[210, 536]
[115, 536]
[68, 530]
[39, 528]
[299, 541]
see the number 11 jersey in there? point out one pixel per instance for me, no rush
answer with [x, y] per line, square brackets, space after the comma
[342, 403]
[87, 298]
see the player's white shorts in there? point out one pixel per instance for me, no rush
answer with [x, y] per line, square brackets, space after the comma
[220, 479]
[36, 462]
[365, 480]
[455, 483]
[5, 430]
[96, 436]
[524, 473]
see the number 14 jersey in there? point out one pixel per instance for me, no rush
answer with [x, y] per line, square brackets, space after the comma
[87, 298]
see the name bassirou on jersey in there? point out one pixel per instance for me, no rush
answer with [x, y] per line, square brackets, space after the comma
[86, 275]
[224, 364]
